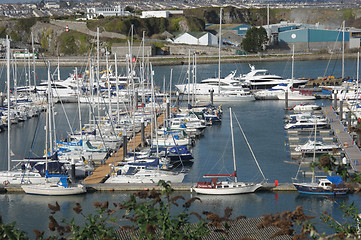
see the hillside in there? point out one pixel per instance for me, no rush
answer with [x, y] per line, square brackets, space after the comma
[52, 39]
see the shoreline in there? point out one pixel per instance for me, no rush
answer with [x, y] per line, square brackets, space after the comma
[169, 60]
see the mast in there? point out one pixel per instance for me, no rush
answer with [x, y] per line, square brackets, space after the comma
[8, 93]
[49, 110]
[343, 49]
[233, 151]
[219, 51]
[189, 76]
[117, 84]
[47, 121]
[98, 72]
[80, 119]
[32, 45]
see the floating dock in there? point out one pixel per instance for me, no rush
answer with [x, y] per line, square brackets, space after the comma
[352, 151]
[100, 174]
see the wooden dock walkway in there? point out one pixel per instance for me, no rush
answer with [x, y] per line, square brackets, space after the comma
[102, 171]
[352, 151]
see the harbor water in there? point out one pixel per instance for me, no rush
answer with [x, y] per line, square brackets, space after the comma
[262, 122]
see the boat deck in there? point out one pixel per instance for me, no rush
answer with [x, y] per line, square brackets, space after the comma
[352, 151]
[101, 172]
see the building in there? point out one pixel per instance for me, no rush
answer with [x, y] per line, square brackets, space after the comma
[50, 5]
[197, 38]
[95, 12]
[313, 39]
[161, 14]
[306, 37]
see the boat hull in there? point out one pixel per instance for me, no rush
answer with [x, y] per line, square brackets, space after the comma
[53, 190]
[241, 188]
[309, 188]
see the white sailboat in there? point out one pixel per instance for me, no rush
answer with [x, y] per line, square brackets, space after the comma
[215, 187]
[54, 185]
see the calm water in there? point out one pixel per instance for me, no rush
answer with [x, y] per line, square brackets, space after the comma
[262, 122]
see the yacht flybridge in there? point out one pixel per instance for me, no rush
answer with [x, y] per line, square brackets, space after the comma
[262, 79]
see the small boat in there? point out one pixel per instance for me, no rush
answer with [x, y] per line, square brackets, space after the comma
[332, 185]
[305, 107]
[227, 187]
[61, 188]
[306, 123]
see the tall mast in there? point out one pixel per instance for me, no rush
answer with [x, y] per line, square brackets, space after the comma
[98, 73]
[32, 45]
[8, 93]
[343, 49]
[117, 84]
[219, 51]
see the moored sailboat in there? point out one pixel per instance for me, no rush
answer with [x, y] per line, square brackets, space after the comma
[228, 187]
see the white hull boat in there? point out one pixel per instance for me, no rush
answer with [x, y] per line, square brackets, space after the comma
[215, 187]
[146, 176]
[61, 188]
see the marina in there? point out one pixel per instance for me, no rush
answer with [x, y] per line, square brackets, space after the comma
[267, 139]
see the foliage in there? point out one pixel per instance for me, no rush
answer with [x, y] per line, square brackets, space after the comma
[9, 231]
[255, 39]
[14, 36]
[25, 24]
[350, 228]
[157, 44]
[288, 222]
[73, 43]
[211, 16]
[195, 24]
[2, 32]
[174, 24]
[129, 9]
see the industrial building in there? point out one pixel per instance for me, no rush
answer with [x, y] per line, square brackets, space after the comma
[196, 38]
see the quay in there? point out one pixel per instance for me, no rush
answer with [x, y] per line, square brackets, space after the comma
[93, 187]
[352, 151]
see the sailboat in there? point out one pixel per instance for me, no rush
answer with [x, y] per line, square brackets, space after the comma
[215, 187]
[330, 185]
[55, 185]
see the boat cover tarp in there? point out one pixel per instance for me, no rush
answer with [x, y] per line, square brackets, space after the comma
[335, 179]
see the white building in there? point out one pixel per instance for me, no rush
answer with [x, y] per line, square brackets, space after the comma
[197, 38]
[156, 14]
[95, 12]
[160, 14]
[51, 5]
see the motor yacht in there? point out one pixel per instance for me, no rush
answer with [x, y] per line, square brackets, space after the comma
[262, 79]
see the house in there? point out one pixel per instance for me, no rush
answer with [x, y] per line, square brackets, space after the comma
[197, 38]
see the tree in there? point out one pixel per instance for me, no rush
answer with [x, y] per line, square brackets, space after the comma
[255, 40]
